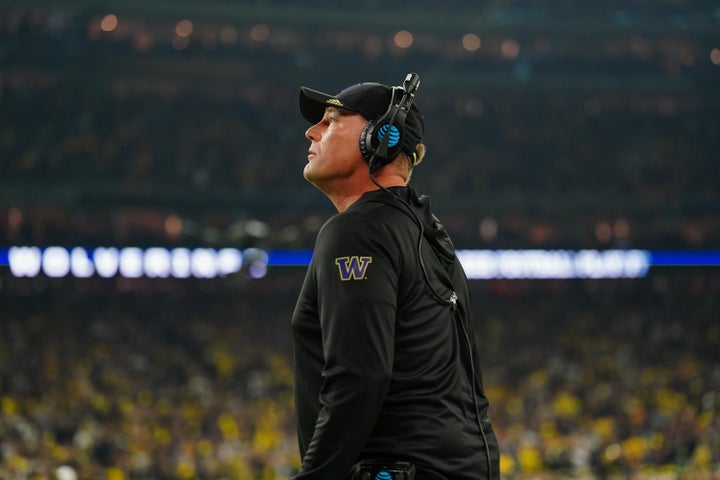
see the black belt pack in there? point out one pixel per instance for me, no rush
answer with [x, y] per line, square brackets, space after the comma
[383, 470]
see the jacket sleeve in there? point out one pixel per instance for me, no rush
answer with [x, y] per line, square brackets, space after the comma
[357, 285]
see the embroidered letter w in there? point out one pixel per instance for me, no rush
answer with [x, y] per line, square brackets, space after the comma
[352, 268]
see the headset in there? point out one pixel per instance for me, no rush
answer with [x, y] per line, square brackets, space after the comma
[381, 139]
[380, 143]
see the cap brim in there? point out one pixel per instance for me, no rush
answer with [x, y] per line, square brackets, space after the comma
[313, 103]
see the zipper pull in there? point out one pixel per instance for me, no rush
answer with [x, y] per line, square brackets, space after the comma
[453, 301]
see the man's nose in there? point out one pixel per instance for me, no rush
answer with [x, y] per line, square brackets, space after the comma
[312, 132]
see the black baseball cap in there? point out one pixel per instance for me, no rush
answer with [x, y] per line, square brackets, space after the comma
[369, 99]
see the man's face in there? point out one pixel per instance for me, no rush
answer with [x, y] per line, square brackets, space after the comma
[334, 154]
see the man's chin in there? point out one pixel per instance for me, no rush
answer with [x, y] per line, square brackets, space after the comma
[309, 175]
[307, 172]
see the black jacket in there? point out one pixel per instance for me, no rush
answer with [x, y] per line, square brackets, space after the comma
[382, 365]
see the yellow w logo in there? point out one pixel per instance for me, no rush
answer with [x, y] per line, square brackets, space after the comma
[352, 268]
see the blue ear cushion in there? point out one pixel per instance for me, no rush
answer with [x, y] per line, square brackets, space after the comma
[370, 139]
[394, 137]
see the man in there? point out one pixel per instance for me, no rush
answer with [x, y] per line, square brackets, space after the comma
[386, 374]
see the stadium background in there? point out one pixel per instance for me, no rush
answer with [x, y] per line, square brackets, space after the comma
[550, 125]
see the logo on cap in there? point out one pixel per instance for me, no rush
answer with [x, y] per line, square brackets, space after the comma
[335, 101]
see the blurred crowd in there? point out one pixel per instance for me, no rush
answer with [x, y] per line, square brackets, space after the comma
[606, 379]
[96, 166]
[138, 379]
[111, 127]
[137, 382]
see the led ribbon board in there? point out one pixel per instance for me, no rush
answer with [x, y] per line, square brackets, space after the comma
[161, 262]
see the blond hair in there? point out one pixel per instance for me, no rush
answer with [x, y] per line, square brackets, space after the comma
[408, 163]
